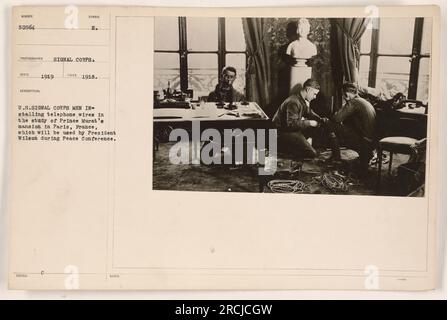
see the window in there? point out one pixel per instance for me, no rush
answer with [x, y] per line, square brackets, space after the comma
[395, 57]
[190, 52]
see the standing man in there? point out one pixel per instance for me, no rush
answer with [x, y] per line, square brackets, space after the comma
[224, 91]
[296, 121]
[355, 125]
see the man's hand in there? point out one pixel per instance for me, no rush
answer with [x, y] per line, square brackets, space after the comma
[324, 120]
[313, 123]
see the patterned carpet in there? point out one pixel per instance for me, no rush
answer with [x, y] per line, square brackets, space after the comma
[245, 178]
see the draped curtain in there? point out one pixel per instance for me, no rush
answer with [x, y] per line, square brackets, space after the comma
[259, 75]
[348, 32]
[345, 38]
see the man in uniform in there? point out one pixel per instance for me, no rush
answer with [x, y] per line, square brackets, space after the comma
[355, 125]
[224, 91]
[296, 121]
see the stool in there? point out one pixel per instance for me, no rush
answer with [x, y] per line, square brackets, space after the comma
[402, 145]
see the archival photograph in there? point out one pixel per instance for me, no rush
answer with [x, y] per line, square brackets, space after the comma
[291, 105]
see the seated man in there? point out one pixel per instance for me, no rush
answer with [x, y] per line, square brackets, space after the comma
[224, 91]
[296, 121]
[355, 125]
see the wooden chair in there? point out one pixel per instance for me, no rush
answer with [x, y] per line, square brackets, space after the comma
[402, 145]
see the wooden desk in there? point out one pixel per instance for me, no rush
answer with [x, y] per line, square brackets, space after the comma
[209, 116]
[403, 122]
[209, 111]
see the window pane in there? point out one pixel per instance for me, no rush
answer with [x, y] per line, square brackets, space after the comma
[393, 75]
[365, 42]
[166, 69]
[364, 71]
[426, 36]
[423, 80]
[202, 73]
[166, 33]
[201, 34]
[396, 35]
[234, 34]
[238, 61]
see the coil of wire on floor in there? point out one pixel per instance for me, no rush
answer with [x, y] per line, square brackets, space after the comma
[288, 186]
[334, 182]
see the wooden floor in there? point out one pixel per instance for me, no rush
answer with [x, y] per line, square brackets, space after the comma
[224, 178]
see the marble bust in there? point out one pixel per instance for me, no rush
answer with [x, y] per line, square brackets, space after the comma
[300, 51]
